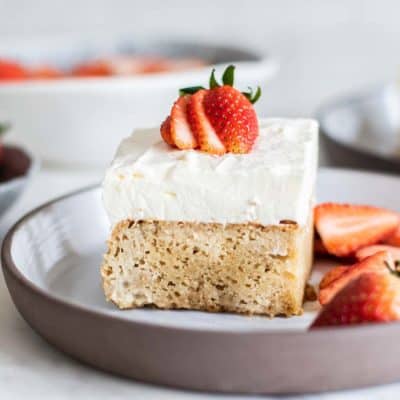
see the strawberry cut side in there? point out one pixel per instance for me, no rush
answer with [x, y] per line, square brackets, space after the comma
[181, 133]
[207, 137]
[346, 228]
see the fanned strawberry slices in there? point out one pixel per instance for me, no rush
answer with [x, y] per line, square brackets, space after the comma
[217, 120]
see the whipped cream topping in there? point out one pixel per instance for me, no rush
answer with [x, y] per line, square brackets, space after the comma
[149, 180]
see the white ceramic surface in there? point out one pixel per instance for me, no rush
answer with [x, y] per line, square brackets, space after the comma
[81, 121]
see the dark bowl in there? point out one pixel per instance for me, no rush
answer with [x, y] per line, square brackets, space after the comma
[16, 169]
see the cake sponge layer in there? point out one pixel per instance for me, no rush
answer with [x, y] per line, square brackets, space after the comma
[244, 268]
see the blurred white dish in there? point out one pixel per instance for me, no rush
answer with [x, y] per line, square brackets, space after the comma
[81, 121]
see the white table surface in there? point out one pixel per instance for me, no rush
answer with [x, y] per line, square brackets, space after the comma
[32, 369]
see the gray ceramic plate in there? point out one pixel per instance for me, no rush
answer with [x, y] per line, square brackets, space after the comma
[51, 262]
[363, 130]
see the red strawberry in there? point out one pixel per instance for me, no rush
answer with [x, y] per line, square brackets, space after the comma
[10, 71]
[374, 263]
[370, 250]
[45, 72]
[203, 130]
[97, 68]
[372, 297]
[345, 228]
[233, 118]
[166, 131]
[394, 239]
[332, 275]
[217, 120]
[181, 133]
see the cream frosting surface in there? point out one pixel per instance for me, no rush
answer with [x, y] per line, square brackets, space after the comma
[149, 180]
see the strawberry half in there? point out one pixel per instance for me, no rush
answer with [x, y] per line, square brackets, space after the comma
[346, 228]
[375, 263]
[200, 125]
[370, 250]
[371, 297]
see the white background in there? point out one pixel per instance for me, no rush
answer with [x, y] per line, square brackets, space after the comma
[325, 47]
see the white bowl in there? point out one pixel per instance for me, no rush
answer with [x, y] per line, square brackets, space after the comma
[81, 121]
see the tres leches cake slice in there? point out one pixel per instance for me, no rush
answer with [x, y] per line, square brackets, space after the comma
[208, 219]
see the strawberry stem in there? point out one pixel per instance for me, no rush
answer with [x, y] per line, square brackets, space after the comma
[213, 82]
[394, 271]
[253, 97]
[190, 90]
[4, 127]
[228, 76]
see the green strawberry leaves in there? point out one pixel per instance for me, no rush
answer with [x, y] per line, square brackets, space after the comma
[190, 90]
[4, 127]
[228, 78]
[253, 97]
[229, 75]
[213, 82]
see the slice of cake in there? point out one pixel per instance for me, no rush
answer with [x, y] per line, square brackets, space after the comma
[212, 230]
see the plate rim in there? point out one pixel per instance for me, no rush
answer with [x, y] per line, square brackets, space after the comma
[9, 266]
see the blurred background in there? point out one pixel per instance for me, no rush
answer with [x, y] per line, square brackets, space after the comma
[324, 47]
[338, 61]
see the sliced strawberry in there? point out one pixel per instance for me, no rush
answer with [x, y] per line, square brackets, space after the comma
[12, 71]
[394, 239]
[332, 275]
[181, 132]
[45, 72]
[371, 297]
[97, 68]
[200, 125]
[370, 250]
[375, 263]
[233, 118]
[165, 131]
[346, 228]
